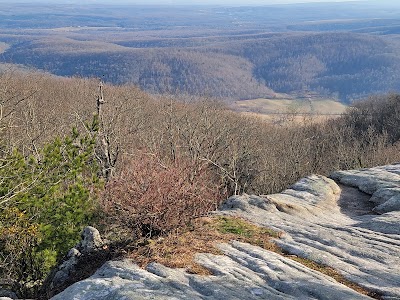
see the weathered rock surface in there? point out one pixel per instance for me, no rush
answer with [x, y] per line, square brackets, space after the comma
[381, 182]
[335, 224]
[245, 272]
[7, 294]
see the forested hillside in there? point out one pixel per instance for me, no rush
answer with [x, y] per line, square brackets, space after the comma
[232, 53]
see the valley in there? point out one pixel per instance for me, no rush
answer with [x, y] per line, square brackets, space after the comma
[348, 52]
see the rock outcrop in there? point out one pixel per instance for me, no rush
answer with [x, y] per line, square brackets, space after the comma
[244, 272]
[7, 295]
[81, 261]
[350, 222]
[381, 182]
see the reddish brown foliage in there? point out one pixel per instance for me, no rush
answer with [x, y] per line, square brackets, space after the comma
[152, 198]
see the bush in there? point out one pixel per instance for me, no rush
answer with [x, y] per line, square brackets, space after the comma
[46, 200]
[150, 198]
[379, 113]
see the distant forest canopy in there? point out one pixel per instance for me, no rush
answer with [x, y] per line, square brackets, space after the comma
[343, 51]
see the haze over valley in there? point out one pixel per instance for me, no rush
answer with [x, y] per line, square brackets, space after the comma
[337, 51]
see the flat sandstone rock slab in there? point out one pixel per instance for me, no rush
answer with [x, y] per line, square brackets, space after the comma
[336, 223]
[244, 272]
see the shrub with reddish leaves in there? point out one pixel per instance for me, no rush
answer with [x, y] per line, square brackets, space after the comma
[151, 198]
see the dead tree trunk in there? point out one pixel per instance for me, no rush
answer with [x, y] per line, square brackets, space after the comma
[106, 153]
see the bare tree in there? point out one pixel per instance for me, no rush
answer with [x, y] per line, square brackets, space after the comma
[106, 153]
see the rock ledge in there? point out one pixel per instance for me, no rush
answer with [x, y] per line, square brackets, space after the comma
[350, 222]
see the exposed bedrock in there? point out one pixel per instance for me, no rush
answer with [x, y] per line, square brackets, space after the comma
[350, 222]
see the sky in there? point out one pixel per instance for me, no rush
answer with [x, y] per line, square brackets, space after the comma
[223, 2]
[232, 2]
[227, 2]
[187, 2]
[197, 2]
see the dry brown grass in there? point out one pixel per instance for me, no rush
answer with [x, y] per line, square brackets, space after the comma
[265, 105]
[177, 250]
[289, 119]
[333, 274]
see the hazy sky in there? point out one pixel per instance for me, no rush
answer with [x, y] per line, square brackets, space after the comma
[229, 2]
[225, 2]
[187, 2]
[197, 2]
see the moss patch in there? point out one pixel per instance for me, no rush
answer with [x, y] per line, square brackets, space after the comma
[237, 226]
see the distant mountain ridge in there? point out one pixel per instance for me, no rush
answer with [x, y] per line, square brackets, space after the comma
[337, 50]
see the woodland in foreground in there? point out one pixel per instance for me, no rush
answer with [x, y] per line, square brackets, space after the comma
[138, 166]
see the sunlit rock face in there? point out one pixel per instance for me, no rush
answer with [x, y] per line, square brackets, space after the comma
[350, 222]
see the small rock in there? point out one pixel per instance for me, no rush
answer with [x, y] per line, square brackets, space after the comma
[383, 195]
[80, 262]
[91, 240]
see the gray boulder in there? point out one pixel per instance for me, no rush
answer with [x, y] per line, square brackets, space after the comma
[7, 294]
[370, 180]
[80, 262]
[91, 240]
[392, 204]
[337, 225]
[383, 183]
[384, 194]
